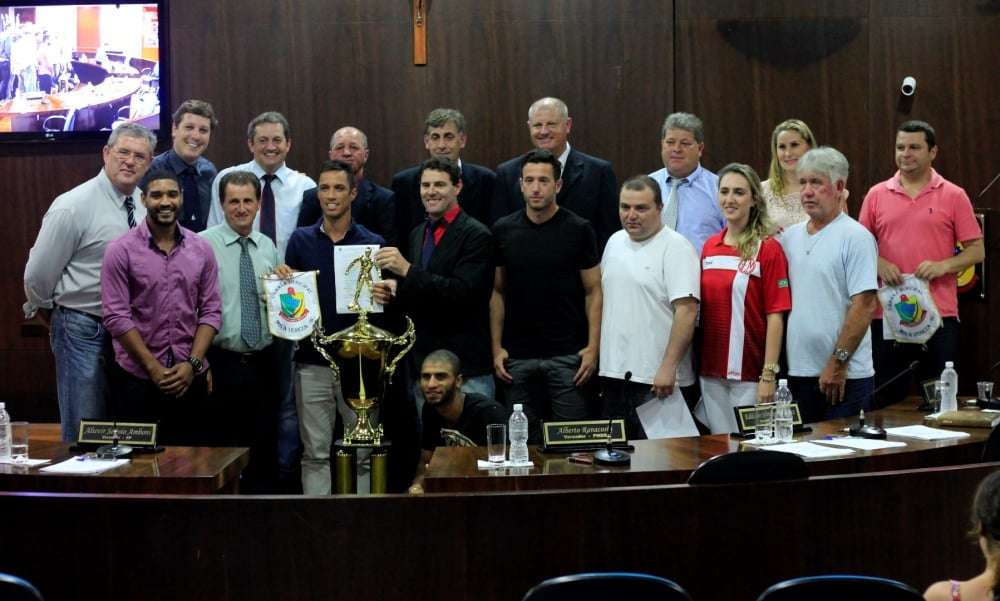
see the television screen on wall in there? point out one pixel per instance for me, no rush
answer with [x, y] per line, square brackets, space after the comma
[76, 71]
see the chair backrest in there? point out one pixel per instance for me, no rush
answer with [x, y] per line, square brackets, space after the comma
[610, 585]
[13, 588]
[839, 587]
[991, 450]
[750, 466]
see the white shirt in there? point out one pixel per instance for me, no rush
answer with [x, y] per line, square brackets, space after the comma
[288, 187]
[825, 270]
[639, 281]
[64, 265]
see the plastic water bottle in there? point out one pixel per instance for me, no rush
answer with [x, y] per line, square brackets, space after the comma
[518, 429]
[949, 396]
[4, 434]
[783, 412]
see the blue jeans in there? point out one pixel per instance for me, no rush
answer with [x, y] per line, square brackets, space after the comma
[82, 348]
[289, 443]
[545, 388]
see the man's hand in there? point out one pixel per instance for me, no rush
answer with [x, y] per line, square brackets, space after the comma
[390, 259]
[588, 365]
[283, 271]
[177, 379]
[889, 273]
[209, 383]
[664, 381]
[384, 291]
[500, 365]
[832, 380]
[930, 270]
[765, 391]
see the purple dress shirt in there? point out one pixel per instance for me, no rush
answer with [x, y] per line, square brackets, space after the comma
[165, 297]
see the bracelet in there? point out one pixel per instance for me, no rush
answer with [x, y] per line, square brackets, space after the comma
[768, 380]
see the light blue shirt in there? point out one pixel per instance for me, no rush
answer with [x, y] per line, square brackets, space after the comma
[227, 251]
[698, 215]
[825, 270]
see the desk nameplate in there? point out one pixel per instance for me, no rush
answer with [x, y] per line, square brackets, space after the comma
[582, 434]
[103, 432]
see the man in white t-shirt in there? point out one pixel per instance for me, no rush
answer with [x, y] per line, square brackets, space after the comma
[833, 268]
[651, 278]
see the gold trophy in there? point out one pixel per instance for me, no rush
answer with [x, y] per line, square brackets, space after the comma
[361, 357]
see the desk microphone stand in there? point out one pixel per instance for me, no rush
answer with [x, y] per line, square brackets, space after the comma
[609, 455]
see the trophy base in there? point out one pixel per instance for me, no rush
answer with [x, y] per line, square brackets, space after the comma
[340, 443]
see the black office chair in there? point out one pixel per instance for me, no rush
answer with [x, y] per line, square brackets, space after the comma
[991, 450]
[13, 588]
[750, 466]
[609, 585]
[839, 587]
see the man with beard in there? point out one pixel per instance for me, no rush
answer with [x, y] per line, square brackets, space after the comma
[160, 294]
[460, 418]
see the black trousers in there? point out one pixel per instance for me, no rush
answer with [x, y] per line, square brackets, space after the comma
[182, 421]
[244, 411]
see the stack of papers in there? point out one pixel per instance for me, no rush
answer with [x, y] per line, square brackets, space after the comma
[26, 462]
[863, 444]
[926, 433]
[809, 450]
[84, 465]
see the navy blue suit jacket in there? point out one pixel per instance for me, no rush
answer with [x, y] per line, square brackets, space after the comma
[589, 189]
[374, 207]
[475, 197]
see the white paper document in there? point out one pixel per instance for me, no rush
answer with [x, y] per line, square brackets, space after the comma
[85, 465]
[925, 433]
[482, 464]
[667, 418]
[347, 263]
[26, 462]
[863, 444]
[809, 450]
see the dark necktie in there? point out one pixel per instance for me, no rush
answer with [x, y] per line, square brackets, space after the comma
[192, 201]
[249, 309]
[428, 250]
[130, 207]
[267, 218]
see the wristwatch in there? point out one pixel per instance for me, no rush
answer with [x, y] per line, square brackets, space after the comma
[841, 354]
[195, 363]
[772, 368]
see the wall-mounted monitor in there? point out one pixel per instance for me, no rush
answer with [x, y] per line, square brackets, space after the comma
[74, 71]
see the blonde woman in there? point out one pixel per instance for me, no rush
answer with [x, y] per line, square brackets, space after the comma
[789, 141]
[744, 294]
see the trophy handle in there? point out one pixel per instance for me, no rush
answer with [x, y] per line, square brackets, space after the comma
[407, 340]
[318, 342]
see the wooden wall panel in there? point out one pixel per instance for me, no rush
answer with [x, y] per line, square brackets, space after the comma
[742, 65]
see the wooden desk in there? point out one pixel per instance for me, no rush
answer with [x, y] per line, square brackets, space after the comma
[177, 470]
[671, 460]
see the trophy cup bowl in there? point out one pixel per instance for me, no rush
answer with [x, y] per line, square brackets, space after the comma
[362, 359]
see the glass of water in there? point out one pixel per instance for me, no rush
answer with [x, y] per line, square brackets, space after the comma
[496, 443]
[985, 390]
[763, 422]
[19, 442]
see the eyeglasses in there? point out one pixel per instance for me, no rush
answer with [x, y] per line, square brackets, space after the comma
[124, 154]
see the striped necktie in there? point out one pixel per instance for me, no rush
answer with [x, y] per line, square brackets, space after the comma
[249, 305]
[130, 207]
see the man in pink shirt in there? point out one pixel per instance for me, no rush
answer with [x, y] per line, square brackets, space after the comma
[918, 217]
[160, 294]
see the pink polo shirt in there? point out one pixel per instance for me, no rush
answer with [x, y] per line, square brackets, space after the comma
[912, 230]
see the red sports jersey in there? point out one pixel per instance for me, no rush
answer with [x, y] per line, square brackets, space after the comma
[736, 297]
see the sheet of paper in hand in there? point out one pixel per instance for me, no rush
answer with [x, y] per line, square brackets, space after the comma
[292, 305]
[356, 275]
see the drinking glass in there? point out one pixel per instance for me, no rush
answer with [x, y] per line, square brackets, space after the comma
[19, 442]
[764, 423]
[985, 391]
[496, 443]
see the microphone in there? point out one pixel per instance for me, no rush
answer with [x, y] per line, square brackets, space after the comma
[874, 430]
[609, 455]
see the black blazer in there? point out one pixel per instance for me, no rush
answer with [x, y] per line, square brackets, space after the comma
[449, 301]
[475, 197]
[589, 189]
[373, 207]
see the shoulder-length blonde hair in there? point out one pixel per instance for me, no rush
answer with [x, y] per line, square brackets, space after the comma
[775, 173]
[759, 225]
